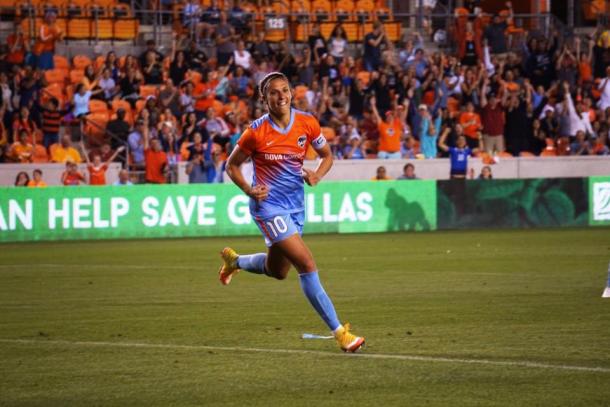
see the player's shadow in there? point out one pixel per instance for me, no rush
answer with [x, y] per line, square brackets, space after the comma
[404, 215]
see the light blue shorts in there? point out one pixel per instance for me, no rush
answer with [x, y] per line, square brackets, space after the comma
[280, 227]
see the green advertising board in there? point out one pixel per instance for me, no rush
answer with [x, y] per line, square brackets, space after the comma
[158, 211]
[599, 201]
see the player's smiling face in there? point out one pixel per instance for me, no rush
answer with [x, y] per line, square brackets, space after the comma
[279, 97]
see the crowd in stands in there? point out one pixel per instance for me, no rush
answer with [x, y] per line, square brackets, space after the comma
[501, 91]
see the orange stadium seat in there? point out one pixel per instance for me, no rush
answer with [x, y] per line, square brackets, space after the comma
[76, 76]
[81, 62]
[344, 11]
[322, 10]
[98, 106]
[40, 154]
[96, 126]
[61, 62]
[125, 105]
[140, 105]
[148, 90]
[55, 76]
[79, 28]
[55, 90]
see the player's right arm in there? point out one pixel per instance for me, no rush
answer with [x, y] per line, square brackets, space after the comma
[236, 159]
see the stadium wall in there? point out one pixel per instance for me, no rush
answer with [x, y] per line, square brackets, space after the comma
[174, 211]
[505, 168]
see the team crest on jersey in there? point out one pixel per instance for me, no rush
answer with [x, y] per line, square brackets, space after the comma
[302, 140]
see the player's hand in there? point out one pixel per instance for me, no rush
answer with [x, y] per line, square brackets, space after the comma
[259, 192]
[310, 177]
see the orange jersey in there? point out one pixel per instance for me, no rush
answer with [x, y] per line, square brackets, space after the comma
[471, 122]
[278, 156]
[97, 175]
[390, 135]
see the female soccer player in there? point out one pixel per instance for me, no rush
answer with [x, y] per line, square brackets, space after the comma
[277, 142]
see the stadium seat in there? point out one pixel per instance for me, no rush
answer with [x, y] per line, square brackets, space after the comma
[125, 29]
[140, 105]
[98, 106]
[79, 28]
[76, 76]
[61, 62]
[54, 90]
[147, 90]
[193, 76]
[55, 76]
[322, 10]
[344, 11]
[125, 105]
[81, 62]
[40, 154]
[95, 127]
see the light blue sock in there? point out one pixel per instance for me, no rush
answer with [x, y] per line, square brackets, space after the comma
[313, 290]
[253, 263]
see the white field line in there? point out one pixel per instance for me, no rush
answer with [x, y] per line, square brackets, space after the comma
[517, 363]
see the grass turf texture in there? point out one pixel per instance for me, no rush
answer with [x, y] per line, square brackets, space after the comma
[500, 296]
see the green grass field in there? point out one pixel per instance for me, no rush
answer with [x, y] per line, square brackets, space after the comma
[509, 318]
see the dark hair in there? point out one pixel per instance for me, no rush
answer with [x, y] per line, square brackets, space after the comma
[39, 171]
[264, 83]
[407, 166]
[334, 33]
[27, 177]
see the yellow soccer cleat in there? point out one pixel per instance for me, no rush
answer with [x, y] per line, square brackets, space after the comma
[347, 341]
[229, 268]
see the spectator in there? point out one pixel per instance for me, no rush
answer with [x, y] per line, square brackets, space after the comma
[63, 151]
[18, 46]
[486, 173]
[21, 150]
[97, 169]
[49, 34]
[22, 179]
[353, 150]
[381, 174]
[119, 129]
[492, 118]
[260, 49]
[471, 123]
[225, 40]
[408, 149]
[51, 121]
[580, 146]
[604, 89]
[178, 66]
[337, 44]
[130, 86]
[459, 155]
[37, 181]
[136, 141]
[390, 129]
[495, 34]
[372, 47]
[150, 48]
[123, 178]
[215, 127]
[24, 122]
[317, 44]
[71, 176]
[81, 100]
[408, 172]
[108, 86]
[152, 69]
[429, 130]
[242, 56]
[156, 162]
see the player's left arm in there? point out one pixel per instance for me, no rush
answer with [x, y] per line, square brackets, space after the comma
[326, 162]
